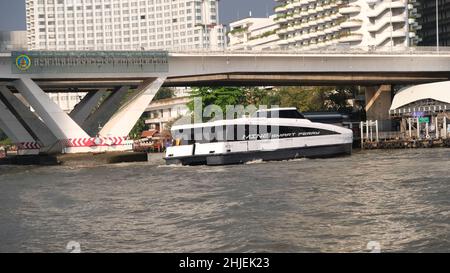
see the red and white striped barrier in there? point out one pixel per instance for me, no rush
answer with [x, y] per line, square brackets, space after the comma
[28, 146]
[95, 141]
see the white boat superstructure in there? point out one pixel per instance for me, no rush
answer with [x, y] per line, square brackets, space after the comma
[275, 134]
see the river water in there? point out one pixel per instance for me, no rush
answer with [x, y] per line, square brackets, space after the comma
[399, 200]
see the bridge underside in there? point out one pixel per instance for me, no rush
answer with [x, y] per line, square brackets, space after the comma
[244, 79]
[307, 79]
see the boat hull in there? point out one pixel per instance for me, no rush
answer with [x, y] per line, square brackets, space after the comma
[274, 155]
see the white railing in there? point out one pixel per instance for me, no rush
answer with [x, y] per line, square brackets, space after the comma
[332, 49]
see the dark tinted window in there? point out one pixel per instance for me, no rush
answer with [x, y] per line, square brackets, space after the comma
[232, 133]
[292, 114]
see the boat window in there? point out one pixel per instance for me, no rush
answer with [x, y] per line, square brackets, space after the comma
[211, 134]
[232, 133]
[235, 132]
[184, 136]
[258, 132]
[291, 131]
[282, 132]
[291, 114]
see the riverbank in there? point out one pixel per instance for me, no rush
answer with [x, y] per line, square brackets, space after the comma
[45, 160]
[88, 159]
[406, 144]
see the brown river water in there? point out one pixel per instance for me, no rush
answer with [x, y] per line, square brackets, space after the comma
[398, 199]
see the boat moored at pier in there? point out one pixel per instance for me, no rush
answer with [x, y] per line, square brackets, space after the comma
[268, 135]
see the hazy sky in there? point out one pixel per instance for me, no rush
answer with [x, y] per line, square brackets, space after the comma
[12, 12]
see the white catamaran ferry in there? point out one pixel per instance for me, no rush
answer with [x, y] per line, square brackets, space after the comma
[273, 134]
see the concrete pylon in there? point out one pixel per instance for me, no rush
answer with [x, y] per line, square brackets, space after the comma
[86, 106]
[105, 111]
[378, 103]
[59, 123]
[124, 120]
[16, 132]
[29, 120]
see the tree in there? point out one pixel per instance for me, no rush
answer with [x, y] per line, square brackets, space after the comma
[165, 93]
[221, 96]
[306, 99]
[339, 99]
[313, 99]
[262, 96]
[138, 128]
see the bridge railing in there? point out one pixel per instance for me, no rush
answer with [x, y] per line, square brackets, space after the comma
[338, 50]
[329, 50]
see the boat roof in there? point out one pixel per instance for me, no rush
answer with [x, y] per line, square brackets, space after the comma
[239, 121]
[276, 109]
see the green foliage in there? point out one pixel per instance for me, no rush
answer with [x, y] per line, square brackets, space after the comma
[5, 142]
[2, 136]
[221, 96]
[313, 99]
[238, 30]
[260, 96]
[306, 99]
[339, 98]
[165, 93]
[137, 130]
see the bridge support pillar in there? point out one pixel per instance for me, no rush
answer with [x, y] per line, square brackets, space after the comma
[86, 106]
[117, 117]
[124, 120]
[35, 127]
[11, 126]
[105, 111]
[378, 103]
[58, 122]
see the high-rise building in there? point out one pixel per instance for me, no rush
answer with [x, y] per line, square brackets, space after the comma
[427, 20]
[123, 24]
[253, 34]
[13, 40]
[314, 24]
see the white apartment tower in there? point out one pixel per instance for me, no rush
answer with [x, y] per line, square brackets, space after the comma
[253, 34]
[123, 24]
[312, 24]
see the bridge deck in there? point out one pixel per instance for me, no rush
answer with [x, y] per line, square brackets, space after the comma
[413, 66]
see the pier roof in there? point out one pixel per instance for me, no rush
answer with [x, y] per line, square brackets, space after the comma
[439, 91]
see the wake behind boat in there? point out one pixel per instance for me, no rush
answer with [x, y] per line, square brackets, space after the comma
[274, 134]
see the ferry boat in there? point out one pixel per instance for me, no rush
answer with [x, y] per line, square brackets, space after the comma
[268, 135]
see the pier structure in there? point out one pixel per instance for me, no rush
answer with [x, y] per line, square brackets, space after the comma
[423, 115]
[121, 84]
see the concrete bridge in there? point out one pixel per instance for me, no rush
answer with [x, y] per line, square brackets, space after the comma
[122, 84]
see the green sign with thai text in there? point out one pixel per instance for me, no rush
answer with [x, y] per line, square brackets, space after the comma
[424, 120]
[36, 62]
